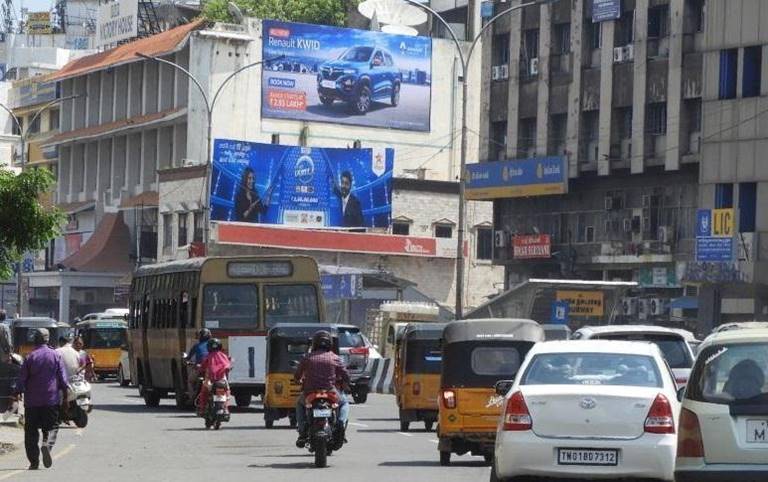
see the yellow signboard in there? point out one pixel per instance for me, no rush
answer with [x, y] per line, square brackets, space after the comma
[583, 303]
[39, 23]
[723, 222]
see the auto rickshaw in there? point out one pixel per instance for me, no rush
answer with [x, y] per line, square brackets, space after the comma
[103, 339]
[417, 368]
[287, 345]
[22, 328]
[477, 354]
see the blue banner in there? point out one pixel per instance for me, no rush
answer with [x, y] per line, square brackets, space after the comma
[301, 186]
[346, 76]
[714, 249]
[560, 312]
[703, 223]
[603, 10]
[518, 178]
[341, 286]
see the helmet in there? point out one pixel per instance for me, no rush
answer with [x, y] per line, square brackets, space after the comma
[322, 341]
[40, 336]
[204, 334]
[214, 344]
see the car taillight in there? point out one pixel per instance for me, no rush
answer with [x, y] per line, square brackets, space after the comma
[416, 388]
[689, 441]
[359, 351]
[449, 399]
[279, 388]
[660, 418]
[516, 415]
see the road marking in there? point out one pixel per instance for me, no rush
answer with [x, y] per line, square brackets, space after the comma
[358, 424]
[405, 434]
[79, 432]
[64, 452]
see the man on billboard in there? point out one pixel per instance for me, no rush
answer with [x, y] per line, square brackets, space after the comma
[350, 206]
[248, 205]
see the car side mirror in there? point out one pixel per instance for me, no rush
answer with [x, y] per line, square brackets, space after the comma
[503, 387]
[680, 394]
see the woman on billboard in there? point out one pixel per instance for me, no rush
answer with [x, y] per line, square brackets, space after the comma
[248, 205]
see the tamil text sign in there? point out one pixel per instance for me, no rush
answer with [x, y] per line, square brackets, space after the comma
[518, 178]
[583, 304]
[714, 235]
[532, 246]
[346, 76]
[117, 21]
[39, 23]
[305, 187]
[603, 10]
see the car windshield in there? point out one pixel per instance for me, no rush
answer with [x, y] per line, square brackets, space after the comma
[349, 338]
[357, 54]
[290, 304]
[231, 306]
[673, 347]
[731, 374]
[104, 338]
[592, 369]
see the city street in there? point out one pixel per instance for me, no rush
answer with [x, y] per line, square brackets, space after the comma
[126, 441]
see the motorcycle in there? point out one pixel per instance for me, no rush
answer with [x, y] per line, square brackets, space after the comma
[325, 433]
[78, 404]
[216, 410]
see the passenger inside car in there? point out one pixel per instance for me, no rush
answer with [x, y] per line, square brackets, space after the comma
[745, 380]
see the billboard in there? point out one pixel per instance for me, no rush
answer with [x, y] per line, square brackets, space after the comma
[532, 246]
[714, 235]
[346, 76]
[583, 304]
[603, 10]
[518, 178]
[309, 187]
[39, 23]
[117, 21]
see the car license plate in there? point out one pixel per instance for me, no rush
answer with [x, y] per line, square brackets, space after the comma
[322, 413]
[757, 431]
[219, 398]
[328, 84]
[608, 457]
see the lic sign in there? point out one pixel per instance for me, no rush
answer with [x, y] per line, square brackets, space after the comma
[714, 235]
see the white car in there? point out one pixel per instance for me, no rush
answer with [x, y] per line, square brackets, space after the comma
[724, 418]
[672, 343]
[589, 410]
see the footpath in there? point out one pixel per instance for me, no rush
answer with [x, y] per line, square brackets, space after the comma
[11, 435]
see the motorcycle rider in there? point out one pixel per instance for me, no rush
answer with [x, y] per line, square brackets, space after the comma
[215, 367]
[320, 370]
[196, 356]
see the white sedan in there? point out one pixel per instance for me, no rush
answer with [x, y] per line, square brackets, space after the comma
[589, 410]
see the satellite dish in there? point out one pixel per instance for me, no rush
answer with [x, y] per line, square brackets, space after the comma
[395, 12]
[400, 30]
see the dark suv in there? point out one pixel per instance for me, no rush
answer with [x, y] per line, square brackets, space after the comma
[360, 76]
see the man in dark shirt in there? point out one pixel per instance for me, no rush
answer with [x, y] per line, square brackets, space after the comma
[351, 211]
[322, 369]
[41, 381]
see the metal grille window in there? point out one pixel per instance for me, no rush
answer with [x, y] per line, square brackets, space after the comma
[443, 231]
[562, 34]
[656, 118]
[658, 22]
[693, 108]
[595, 33]
[498, 142]
[199, 227]
[484, 243]
[182, 236]
[167, 231]
[625, 29]
[729, 67]
[501, 49]
[53, 120]
[401, 228]
[527, 135]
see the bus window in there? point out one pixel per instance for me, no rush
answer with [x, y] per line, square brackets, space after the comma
[184, 309]
[290, 304]
[230, 306]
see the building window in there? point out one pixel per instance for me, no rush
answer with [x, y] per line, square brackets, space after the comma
[658, 21]
[723, 196]
[558, 126]
[562, 34]
[595, 32]
[501, 49]
[199, 226]
[484, 243]
[167, 231]
[625, 119]
[752, 75]
[527, 136]
[443, 231]
[729, 67]
[53, 120]
[34, 127]
[530, 44]
[656, 118]
[747, 207]
[182, 236]
[401, 228]
[497, 147]
[696, 12]
[625, 29]
[693, 109]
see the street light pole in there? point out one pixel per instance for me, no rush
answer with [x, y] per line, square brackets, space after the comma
[210, 103]
[465, 60]
[23, 133]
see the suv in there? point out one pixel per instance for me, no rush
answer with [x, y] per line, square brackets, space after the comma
[360, 76]
[724, 417]
[354, 352]
[674, 346]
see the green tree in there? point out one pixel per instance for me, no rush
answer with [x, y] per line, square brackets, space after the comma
[25, 224]
[325, 12]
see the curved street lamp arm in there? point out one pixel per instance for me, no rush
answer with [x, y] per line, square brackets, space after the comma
[47, 105]
[233, 74]
[455, 39]
[185, 72]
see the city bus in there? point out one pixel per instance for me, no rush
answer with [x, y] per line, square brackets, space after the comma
[238, 298]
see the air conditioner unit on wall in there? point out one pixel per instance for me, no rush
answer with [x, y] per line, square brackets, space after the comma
[535, 66]
[618, 54]
[629, 53]
[629, 306]
[496, 72]
[666, 234]
[500, 238]
[504, 71]
[657, 306]
[643, 309]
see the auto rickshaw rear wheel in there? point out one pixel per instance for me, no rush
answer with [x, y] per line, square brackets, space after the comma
[404, 426]
[243, 400]
[445, 458]
[428, 425]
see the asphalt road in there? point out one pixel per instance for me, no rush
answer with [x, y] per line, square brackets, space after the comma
[412, 112]
[125, 441]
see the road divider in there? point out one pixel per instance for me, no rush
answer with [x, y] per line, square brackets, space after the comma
[382, 373]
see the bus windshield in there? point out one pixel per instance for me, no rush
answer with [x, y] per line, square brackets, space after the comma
[104, 338]
[291, 304]
[230, 306]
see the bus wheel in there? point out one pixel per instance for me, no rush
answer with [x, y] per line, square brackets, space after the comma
[180, 393]
[243, 400]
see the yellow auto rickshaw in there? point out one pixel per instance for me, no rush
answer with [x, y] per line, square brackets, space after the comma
[103, 339]
[417, 367]
[287, 345]
[476, 354]
[22, 328]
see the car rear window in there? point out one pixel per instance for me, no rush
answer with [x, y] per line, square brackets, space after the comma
[592, 369]
[349, 338]
[495, 360]
[727, 374]
[674, 348]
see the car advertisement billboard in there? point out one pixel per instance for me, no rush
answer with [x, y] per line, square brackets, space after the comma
[346, 76]
[310, 187]
[517, 178]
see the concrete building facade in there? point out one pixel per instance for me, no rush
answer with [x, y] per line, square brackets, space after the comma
[620, 99]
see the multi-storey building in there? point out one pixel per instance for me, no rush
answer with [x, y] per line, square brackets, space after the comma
[618, 94]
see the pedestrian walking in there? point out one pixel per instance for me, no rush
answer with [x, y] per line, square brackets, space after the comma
[41, 382]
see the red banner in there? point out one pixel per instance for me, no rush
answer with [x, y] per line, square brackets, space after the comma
[532, 246]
